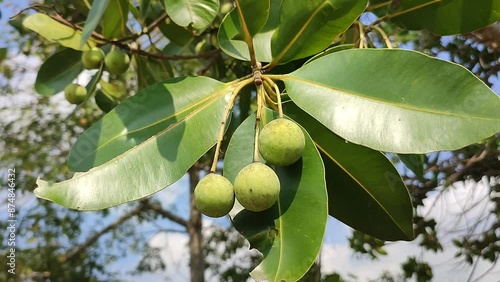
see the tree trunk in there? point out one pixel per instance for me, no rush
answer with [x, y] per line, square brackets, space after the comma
[196, 259]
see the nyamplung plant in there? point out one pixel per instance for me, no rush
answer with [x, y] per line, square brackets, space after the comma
[336, 101]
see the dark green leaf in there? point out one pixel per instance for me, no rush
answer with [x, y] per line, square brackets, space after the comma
[58, 71]
[330, 51]
[307, 27]
[55, 31]
[114, 19]
[104, 101]
[150, 71]
[196, 13]
[93, 19]
[232, 41]
[357, 174]
[290, 233]
[415, 163]
[253, 15]
[151, 165]
[396, 100]
[138, 118]
[446, 17]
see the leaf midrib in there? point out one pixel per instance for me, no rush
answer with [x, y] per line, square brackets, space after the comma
[394, 104]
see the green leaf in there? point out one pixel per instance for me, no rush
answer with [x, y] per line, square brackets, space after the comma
[93, 19]
[232, 41]
[290, 233]
[58, 71]
[446, 17]
[3, 54]
[396, 100]
[148, 167]
[114, 19]
[178, 35]
[253, 15]
[307, 27]
[331, 50]
[197, 13]
[415, 163]
[55, 31]
[150, 71]
[358, 174]
[139, 117]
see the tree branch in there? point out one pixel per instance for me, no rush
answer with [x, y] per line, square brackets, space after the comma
[166, 214]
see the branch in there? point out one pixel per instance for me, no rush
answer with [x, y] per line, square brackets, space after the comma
[166, 214]
[92, 239]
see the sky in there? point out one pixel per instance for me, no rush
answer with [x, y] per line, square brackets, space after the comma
[336, 254]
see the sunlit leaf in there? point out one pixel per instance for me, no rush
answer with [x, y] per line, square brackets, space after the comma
[55, 31]
[114, 19]
[149, 166]
[196, 13]
[396, 100]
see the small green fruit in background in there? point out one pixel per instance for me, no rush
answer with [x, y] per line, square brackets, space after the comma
[117, 62]
[75, 93]
[214, 195]
[281, 142]
[257, 187]
[93, 58]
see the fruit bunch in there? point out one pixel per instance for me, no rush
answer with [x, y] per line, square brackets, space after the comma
[116, 62]
[281, 142]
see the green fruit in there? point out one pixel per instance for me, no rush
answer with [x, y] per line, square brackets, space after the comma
[75, 93]
[257, 187]
[93, 58]
[117, 62]
[214, 195]
[281, 142]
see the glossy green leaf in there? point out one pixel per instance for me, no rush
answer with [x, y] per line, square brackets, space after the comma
[415, 163]
[396, 100]
[232, 41]
[58, 71]
[151, 71]
[445, 17]
[331, 50]
[289, 234]
[139, 117]
[148, 167]
[196, 13]
[114, 19]
[253, 15]
[357, 174]
[55, 31]
[307, 27]
[93, 19]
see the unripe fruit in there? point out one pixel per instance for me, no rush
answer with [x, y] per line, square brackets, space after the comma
[93, 58]
[214, 195]
[117, 62]
[281, 142]
[75, 93]
[257, 187]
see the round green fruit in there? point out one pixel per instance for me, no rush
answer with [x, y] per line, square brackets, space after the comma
[281, 142]
[214, 195]
[257, 187]
[93, 58]
[117, 62]
[75, 93]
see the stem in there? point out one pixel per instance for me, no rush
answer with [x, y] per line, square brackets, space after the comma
[376, 6]
[361, 36]
[256, 156]
[278, 94]
[229, 107]
[270, 91]
[384, 36]
[381, 19]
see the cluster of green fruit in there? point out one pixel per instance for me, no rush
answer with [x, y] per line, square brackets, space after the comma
[116, 62]
[256, 187]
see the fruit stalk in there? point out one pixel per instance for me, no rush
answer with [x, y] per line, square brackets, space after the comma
[278, 95]
[260, 97]
[229, 107]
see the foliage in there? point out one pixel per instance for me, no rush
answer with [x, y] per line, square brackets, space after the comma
[314, 61]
